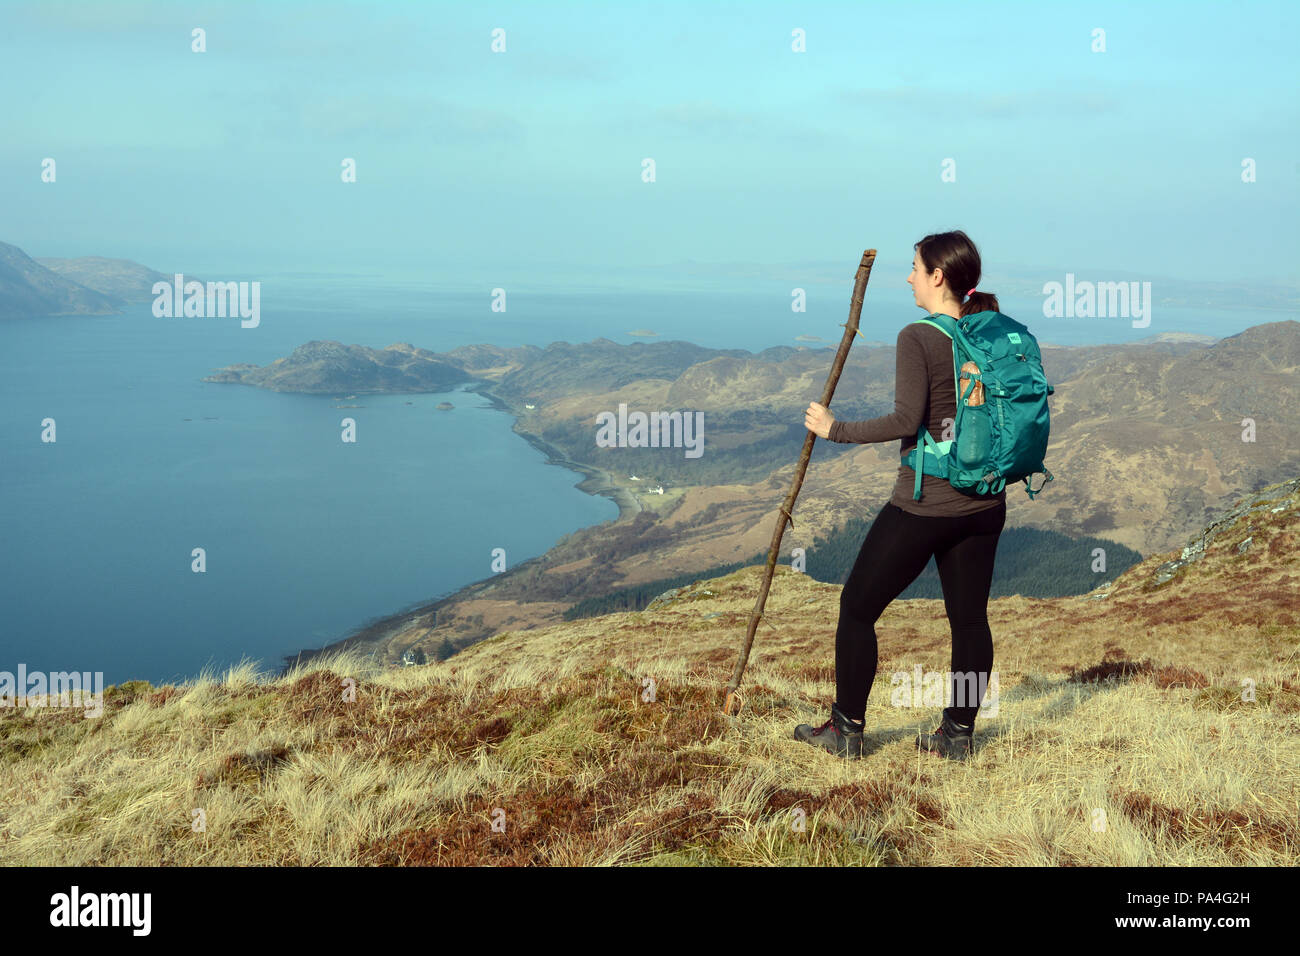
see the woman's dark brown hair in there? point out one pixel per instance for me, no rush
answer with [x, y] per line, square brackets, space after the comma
[956, 255]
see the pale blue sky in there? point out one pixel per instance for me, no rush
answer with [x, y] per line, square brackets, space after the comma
[525, 167]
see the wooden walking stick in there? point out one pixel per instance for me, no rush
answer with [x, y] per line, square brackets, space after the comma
[731, 705]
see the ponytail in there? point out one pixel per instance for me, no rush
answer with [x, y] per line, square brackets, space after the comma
[980, 302]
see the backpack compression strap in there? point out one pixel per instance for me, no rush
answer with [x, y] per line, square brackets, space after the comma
[931, 455]
[1029, 488]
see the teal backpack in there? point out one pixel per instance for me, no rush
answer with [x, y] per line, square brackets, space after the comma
[1005, 438]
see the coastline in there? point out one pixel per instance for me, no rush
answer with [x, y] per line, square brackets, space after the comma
[595, 481]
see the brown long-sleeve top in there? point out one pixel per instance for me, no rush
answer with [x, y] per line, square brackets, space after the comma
[923, 392]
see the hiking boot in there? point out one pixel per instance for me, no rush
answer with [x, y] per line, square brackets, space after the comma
[951, 739]
[839, 735]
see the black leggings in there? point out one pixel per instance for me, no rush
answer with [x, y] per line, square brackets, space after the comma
[896, 550]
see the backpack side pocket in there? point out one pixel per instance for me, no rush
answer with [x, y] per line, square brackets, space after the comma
[975, 438]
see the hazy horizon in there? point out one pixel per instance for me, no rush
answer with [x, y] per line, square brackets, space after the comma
[523, 168]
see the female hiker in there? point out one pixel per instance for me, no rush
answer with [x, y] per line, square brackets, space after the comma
[959, 529]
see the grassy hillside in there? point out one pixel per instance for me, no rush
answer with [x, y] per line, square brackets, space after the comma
[1126, 702]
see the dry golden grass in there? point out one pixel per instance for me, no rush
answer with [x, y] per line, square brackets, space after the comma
[1126, 709]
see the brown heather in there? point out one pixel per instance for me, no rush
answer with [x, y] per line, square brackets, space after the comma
[1123, 705]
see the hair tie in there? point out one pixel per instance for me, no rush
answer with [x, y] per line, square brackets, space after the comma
[968, 294]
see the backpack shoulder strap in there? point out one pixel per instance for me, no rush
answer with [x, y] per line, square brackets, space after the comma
[948, 326]
[944, 323]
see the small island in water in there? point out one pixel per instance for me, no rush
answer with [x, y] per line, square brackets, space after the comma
[445, 406]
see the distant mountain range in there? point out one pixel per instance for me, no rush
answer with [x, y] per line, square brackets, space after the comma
[28, 288]
[119, 279]
[1149, 439]
[89, 285]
